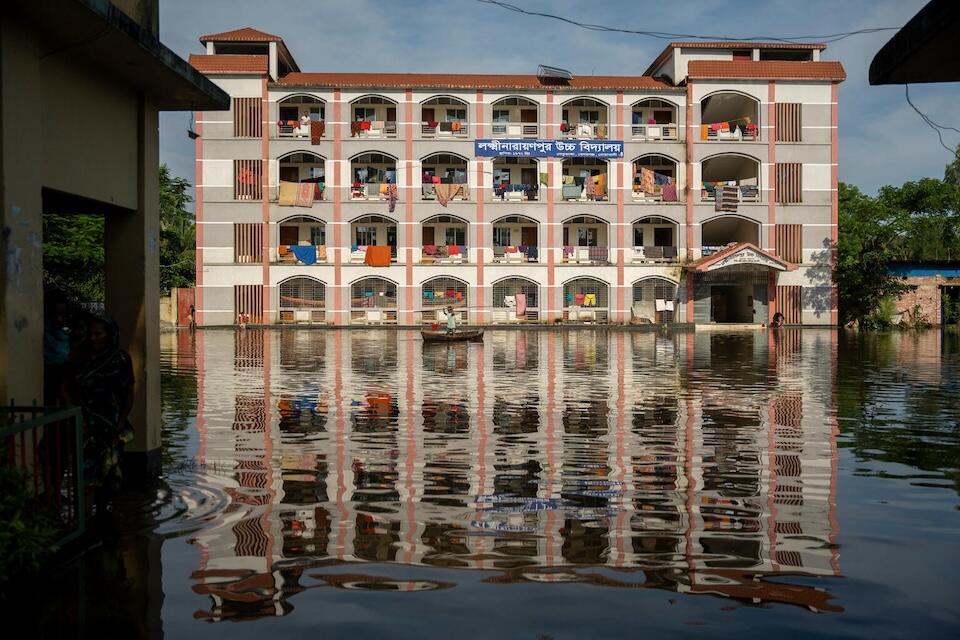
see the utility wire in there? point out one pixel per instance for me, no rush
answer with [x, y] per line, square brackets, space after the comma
[938, 128]
[664, 35]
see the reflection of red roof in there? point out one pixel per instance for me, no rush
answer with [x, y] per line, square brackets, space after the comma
[766, 70]
[703, 264]
[469, 81]
[246, 34]
[232, 63]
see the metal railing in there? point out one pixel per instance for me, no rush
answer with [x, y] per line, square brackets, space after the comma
[47, 447]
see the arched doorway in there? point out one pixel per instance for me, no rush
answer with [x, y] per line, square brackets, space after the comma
[508, 307]
[302, 300]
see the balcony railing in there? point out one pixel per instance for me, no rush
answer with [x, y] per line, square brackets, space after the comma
[586, 255]
[302, 254]
[516, 129]
[358, 254]
[302, 316]
[443, 254]
[515, 254]
[659, 195]
[445, 192]
[655, 255]
[585, 131]
[724, 132]
[373, 129]
[515, 192]
[47, 447]
[668, 132]
[745, 193]
[370, 191]
[295, 129]
[589, 191]
[444, 130]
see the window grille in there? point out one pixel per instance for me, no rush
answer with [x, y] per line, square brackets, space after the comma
[646, 292]
[790, 242]
[513, 286]
[789, 122]
[585, 287]
[247, 180]
[302, 293]
[444, 292]
[373, 293]
[789, 182]
[247, 243]
[247, 119]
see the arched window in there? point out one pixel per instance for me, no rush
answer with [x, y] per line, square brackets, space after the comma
[585, 240]
[516, 239]
[296, 112]
[373, 117]
[729, 116]
[718, 232]
[515, 116]
[654, 119]
[444, 117]
[298, 168]
[444, 292]
[444, 240]
[375, 231]
[371, 175]
[373, 300]
[302, 299]
[654, 299]
[585, 179]
[507, 307]
[586, 299]
[655, 240]
[299, 234]
[444, 177]
[655, 179]
[515, 179]
[584, 118]
[736, 177]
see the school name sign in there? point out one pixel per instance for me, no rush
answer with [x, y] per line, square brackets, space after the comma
[528, 148]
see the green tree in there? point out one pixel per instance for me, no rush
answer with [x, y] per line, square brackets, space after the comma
[952, 173]
[926, 214]
[177, 233]
[868, 240]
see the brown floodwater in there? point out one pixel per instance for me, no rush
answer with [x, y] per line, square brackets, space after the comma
[542, 484]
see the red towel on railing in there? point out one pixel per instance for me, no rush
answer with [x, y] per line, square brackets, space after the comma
[377, 256]
[454, 250]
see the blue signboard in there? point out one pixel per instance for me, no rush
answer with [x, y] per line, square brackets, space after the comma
[528, 148]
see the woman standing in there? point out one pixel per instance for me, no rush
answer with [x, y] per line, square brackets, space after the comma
[102, 386]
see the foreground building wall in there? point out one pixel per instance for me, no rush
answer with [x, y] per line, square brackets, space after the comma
[632, 247]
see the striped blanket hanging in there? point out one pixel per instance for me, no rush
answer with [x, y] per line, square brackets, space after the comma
[727, 198]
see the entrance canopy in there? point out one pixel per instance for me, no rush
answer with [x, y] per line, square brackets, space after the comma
[740, 254]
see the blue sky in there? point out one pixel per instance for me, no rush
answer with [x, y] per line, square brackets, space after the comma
[882, 141]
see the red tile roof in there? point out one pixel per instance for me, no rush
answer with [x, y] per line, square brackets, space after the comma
[229, 63]
[247, 34]
[470, 81]
[766, 70]
[728, 44]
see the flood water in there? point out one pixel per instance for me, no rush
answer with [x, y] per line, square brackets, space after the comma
[543, 484]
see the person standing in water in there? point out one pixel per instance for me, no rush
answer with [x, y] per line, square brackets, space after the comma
[451, 320]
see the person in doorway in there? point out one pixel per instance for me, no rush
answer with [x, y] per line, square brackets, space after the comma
[102, 384]
[777, 321]
[451, 320]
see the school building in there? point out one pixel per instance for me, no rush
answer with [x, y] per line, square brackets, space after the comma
[703, 191]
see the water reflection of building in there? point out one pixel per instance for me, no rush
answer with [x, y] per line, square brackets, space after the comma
[539, 454]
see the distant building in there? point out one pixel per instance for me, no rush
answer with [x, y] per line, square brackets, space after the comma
[358, 198]
[933, 283]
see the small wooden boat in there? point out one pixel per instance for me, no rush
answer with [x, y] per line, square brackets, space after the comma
[465, 335]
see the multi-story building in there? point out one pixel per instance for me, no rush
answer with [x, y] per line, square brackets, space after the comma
[703, 191]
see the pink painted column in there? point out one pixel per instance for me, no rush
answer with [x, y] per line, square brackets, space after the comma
[479, 238]
[407, 194]
[621, 308]
[198, 213]
[339, 314]
[265, 199]
[691, 190]
[771, 130]
[551, 242]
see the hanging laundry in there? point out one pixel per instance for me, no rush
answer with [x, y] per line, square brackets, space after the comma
[510, 301]
[322, 253]
[669, 193]
[578, 299]
[646, 180]
[355, 129]
[543, 178]
[601, 131]
[453, 250]
[521, 300]
[317, 130]
[601, 181]
[305, 193]
[726, 199]
[430, 249]
[377, 256]
[392, 195]
[288, 193]
[306, 255]
[590, 300]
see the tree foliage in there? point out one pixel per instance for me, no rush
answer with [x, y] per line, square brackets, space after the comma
[73, 245]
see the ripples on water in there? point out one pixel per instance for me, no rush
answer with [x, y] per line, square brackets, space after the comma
[696, 463]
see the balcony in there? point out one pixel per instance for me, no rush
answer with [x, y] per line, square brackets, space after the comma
[437, 294]
[654, 241]
[735, 177]
[302, 301]
[373, 301]
[452, 233]
[584, 180]
[515, 180]
[584, 118]
[586, 300]
[297, 115]
[444, 117]
[374, 241]
[303, 241]
[373, 117]
[515, 240]
[726, 116]
[444, 178]
[654, 121]
[515, 300]
[374, 177]
[722, 231]
[655, 180]
[585, 241]
[654, 301]
[297, 170]
[515, 117]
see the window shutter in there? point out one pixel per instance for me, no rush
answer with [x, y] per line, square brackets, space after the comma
[247, 118]
[247, 180]
[790, 242]
[789, 122]
[789, 187]
[789, 303]
[247, 243]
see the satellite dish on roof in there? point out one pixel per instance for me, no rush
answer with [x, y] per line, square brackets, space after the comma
[544, 71]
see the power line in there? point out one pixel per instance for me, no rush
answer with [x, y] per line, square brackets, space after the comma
[665, 35]
[938, 128]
